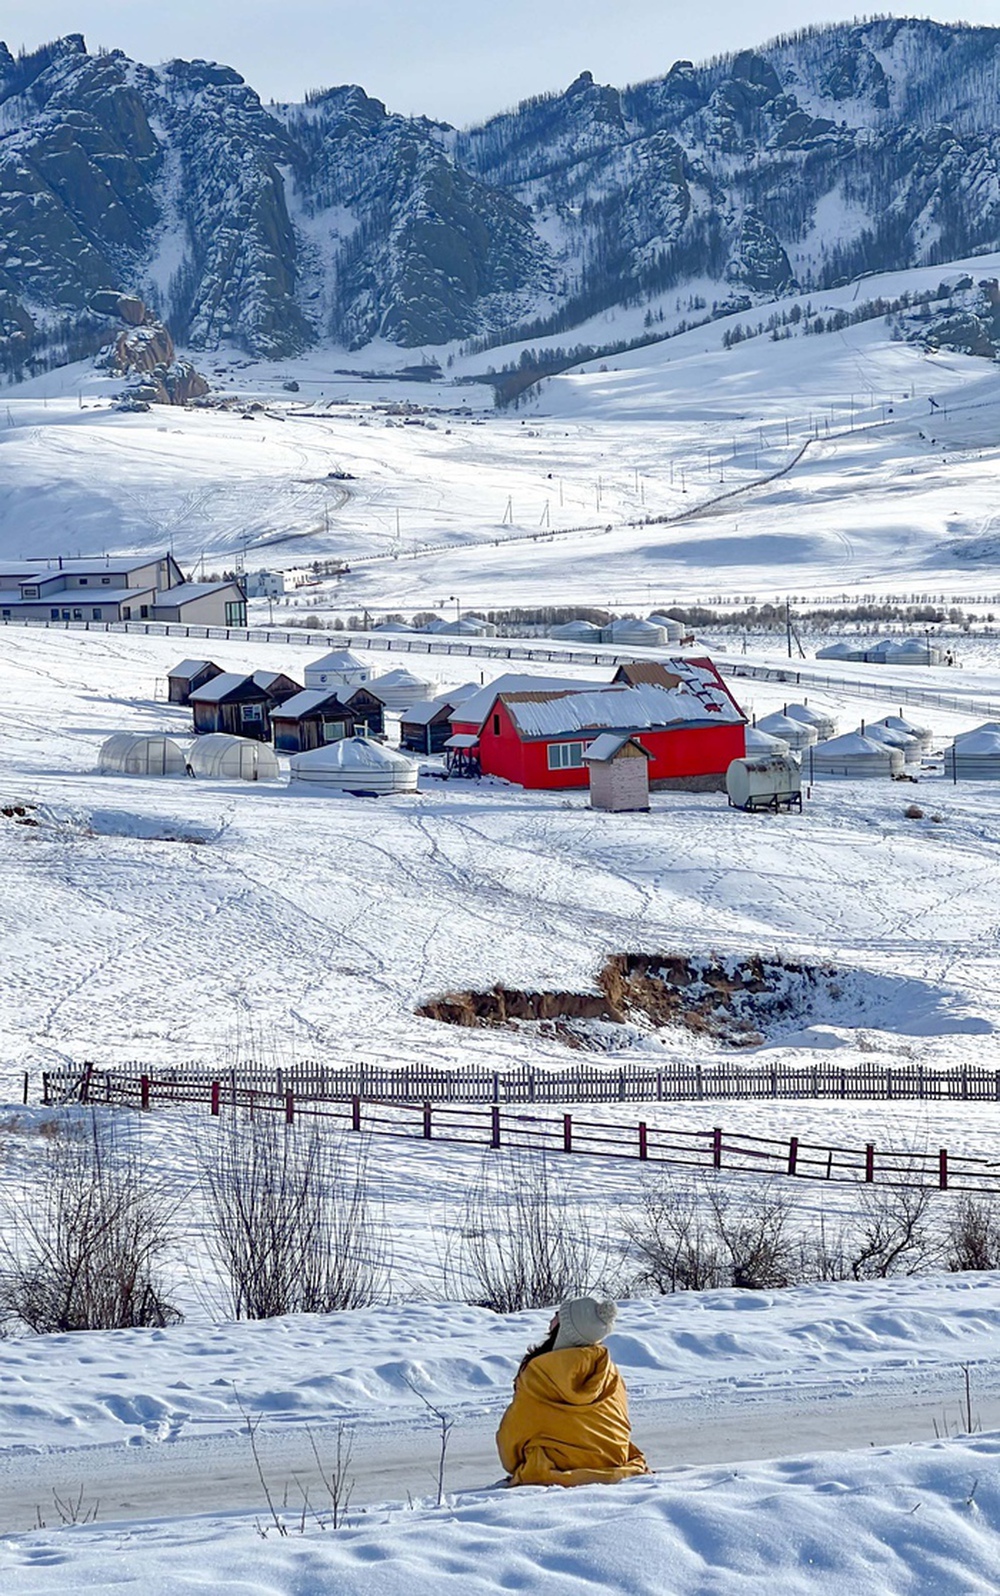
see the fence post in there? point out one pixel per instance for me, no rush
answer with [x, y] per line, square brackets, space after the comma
[793, 1153]
[355, 1112]
[495, 1125]
[85, 1083]
[427, 1122]
[216, 1096]
[289, 1108]
[567, 1133]
[943, 1169]
[643, 1141]
[869, 1163]
[144, 1091]
[717, 1148]
[26, 1087]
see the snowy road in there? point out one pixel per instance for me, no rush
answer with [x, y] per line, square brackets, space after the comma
[396, 1460]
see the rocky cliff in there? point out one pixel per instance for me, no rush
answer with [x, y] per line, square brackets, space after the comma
[823, 155]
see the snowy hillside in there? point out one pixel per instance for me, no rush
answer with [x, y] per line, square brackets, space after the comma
[842, 461]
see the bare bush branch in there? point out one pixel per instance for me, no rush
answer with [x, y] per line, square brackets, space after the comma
[525, 1245]
[672, 1240]
[972, 1236]
[293, 1223]
[89, 1247]
[894, 1237]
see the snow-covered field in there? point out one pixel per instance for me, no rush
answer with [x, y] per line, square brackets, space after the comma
[166, 921]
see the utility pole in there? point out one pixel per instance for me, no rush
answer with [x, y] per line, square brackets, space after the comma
[788, 625]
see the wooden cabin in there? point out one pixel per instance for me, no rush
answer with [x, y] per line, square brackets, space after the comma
[188, 676]
[619, 773]
[368, 712]
[240, 705]
[311, 719]
[426, 728]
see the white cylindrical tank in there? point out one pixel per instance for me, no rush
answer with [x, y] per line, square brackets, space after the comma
[796, 733]
[356, 766]
[224, 758]
[761, 742]
[141, 754]
[852, 756]
[824, 725]
[771, 781]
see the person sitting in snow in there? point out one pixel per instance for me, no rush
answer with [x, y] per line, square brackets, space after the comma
[568, 1422]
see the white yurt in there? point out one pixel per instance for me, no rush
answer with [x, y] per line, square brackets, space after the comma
[824, 725]
[393, 626]
[759, 742]
[339, 669]
[796, 733]
[224, 758]
[400, 688]
[906, 651]
[853, 756]
[898, 723]
[975, 755]
[468, 626]
[357, 766]
[842, 651]
[908, 746]
[673, 630]
[634, 634]
[577, 632]
[142, 754]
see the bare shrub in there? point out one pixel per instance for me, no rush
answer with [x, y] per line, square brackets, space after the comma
[752, 1231]
[972, 1235]
[524, 1245]
[292, 1220]
[894, 1236]
[89, 1245]
[823, 1254]
[673, 1241]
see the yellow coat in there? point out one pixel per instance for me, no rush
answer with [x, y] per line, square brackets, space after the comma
[568, 1422]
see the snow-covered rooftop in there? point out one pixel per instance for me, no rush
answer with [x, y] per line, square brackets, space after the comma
[633, 708]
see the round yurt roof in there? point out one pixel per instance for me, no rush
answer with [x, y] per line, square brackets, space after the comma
[987, 726]
[355, 764]
[898, 723]
[577, 631]
[762, 742]
[393, 626]
[853, 754]
[984, 740]
[400, 688]
[673, 629]
[904, 741]
[233, 758]
[142, 754]
[848, 651]
[796, 733]
[824, 723]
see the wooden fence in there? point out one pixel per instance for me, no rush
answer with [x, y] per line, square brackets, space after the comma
[490, 1125]
[583, 1083]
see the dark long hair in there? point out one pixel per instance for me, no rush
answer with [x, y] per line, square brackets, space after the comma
[535, 1352]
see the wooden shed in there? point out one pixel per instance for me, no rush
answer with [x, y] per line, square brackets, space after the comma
[426, 728]
[240, 705]
[367, 711]
[188, 676]
[311, 719]
[619, 772]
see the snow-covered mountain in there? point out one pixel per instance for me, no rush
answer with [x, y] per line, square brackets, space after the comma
[830, 153]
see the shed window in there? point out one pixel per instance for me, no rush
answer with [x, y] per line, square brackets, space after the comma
[105, 581]
[6, 615]
[253, 712]
[496, 725]
[53, 614]
[29, 590]
[78, 615]
[127, 611]
[143, 612]
[565, 756]
[236, 613]
[95, 614]
[84, 581]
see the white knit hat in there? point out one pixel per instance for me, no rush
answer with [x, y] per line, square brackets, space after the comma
[582, 1322]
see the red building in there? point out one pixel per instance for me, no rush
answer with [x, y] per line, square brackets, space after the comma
[692, 729]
